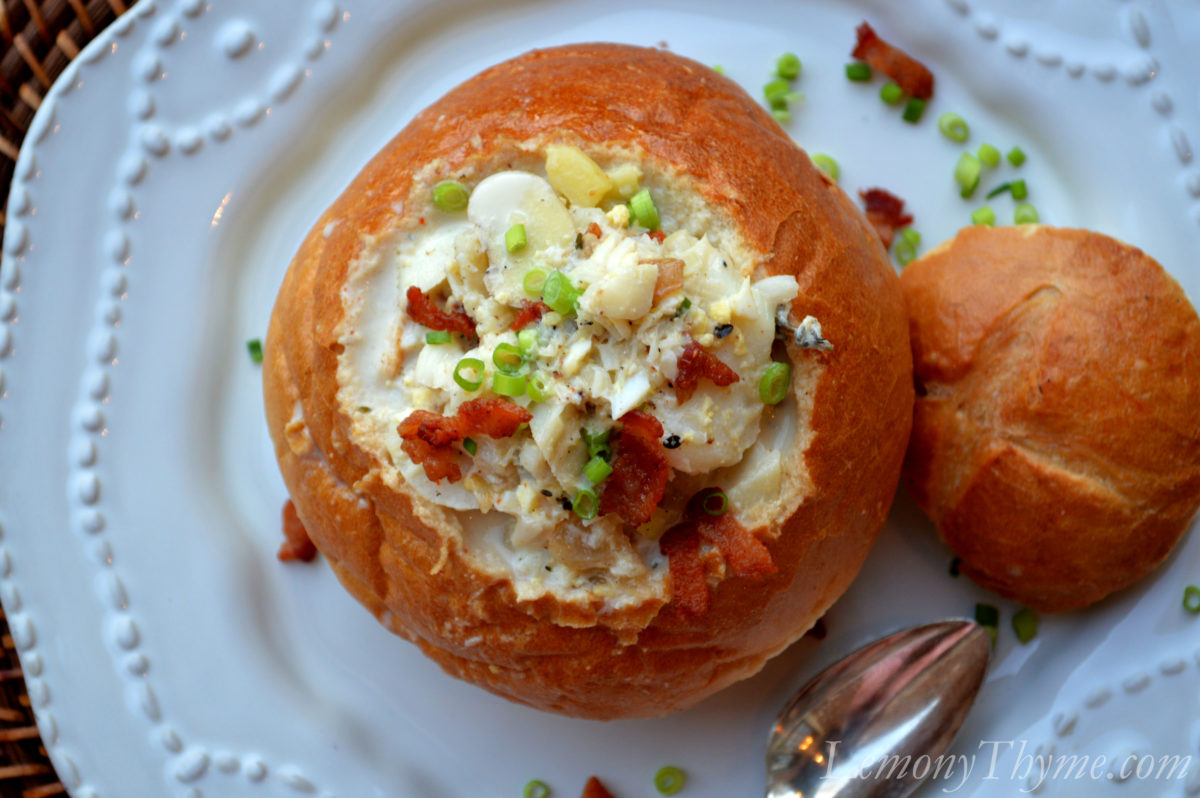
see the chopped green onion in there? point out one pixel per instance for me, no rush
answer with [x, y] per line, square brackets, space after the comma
[775, 92]
[538, 387]
[953, 127]
[1025, 624]
[966, 173]
[683, 308]
[1025, 213]
[906, 252]
[720, 70]
[776, 380]
[585, 505]
[913, 110]
[1016, 156]
[1000, 189]
[254, 347]
[559, 294]
[715, 503]
[435, 337]
[984, 215]
[989, 155]
[470, 446]
[641, 207]
[514, 238]
[451, 196]
[987, 615]
[859, 72]
[788, 66]
[469, 364]
[527, 342]
[508, 385]
[827, 165]
[891, 93]
[1191, 599]
[533, 282]
[597, 470]
[1019, 190]
[911, 236]
[597, 442]
[781, 114]
[537, 789]
[508, 358]
[669, 780]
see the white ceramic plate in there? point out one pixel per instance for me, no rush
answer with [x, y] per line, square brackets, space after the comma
[169, 176]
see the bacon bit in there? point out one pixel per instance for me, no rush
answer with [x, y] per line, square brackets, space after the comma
[670, 277]
[430, 440]
[423, 311]
[689, 590]
[657, 235]
[422, 220]
[296, 543]
[595, 789]
[885, 211]
[746, 554]
[909, 73]
[530, 312]
[640, 471]
[594, 229]
[695, 363]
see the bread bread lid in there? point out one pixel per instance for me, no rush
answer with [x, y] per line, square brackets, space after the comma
[1056, 440]
[720, 170]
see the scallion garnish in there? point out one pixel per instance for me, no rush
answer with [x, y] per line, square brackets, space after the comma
[536, 789]
[597, 470]
[913, 110]
[508, 384]
[508, 358]
[788, 66]
[514, 239]
[470, 446]
[776, 93]
[254, 347]
[1018, 189]
[434, 337]
[984, 215]
[1191, 599]
[773, 387]
[1025, 624]
[538, 387]
[559, 294]
[989, 155]
[966, 173]
[669, 780]
[1025, 213]
[1016, 156]
[715, 502]
[527, 342]
[643, 210]
[533, 282]
[998, 190]
[911, 236]
[597, 442]
[906, 247]
[891, 93]
[781, 115]
[859, 72]
[683, 308]
[468, 373]
[451, 196]
[953, 127]
[827, 165]
[585, 504]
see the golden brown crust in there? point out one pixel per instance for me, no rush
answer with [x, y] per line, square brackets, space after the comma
[1057, 440]
[388, 551]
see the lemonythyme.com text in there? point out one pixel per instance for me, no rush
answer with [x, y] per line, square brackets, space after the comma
[995, 760]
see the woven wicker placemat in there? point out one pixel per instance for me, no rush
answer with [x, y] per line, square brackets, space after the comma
[37, 41]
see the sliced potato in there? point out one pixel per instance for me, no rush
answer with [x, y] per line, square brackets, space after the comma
[576, 176]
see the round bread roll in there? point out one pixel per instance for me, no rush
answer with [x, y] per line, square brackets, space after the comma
[474, 521]
[1056, 439]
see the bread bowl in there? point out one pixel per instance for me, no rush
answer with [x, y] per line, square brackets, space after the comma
[1056, 440]
[529, 599]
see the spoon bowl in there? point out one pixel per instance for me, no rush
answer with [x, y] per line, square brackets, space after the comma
[855, 729]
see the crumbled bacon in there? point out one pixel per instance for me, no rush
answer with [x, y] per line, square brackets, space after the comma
[746, 554]
[594, 229]
[909, 73]
[432, 440]
[595, 789]
[689, 590]
[422, 310]
[670, 277]
[885, 211]
[658, 235]
[296, 543]
[640, 470]
[697, 363]
[529, 313]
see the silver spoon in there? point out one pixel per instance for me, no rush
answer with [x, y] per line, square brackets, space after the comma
[904, 695]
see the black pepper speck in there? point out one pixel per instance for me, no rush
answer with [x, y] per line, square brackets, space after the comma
[722, 330]
[546, 492]
[672, 442]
